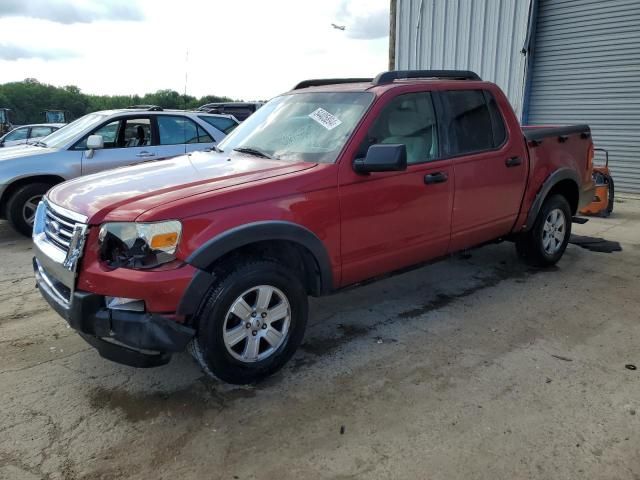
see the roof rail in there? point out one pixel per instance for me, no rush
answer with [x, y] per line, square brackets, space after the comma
[389, 77]
[318, 82]
[151, 108]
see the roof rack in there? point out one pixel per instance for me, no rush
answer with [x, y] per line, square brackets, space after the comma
[389, 77]
[151, 108]
[318, 82]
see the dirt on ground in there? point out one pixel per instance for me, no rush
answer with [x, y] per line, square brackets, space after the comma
[476, 367]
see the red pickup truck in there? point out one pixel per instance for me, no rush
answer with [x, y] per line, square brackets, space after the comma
[333, 183]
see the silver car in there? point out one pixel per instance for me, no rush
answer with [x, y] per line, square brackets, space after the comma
[28, 133]
[99, 141]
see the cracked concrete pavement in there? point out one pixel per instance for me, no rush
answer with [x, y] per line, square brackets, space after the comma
[475, 367]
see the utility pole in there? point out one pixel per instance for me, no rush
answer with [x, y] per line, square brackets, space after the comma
[392, 35]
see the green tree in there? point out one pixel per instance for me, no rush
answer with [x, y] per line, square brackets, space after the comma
[29, 99]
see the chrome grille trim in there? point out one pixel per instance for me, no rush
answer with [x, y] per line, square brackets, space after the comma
[57, 227]
[59, 243]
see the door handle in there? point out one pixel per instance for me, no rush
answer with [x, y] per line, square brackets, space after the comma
[145, 154]
[438, 177]
[513, 162]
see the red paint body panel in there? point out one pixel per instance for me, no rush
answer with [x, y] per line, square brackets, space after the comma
[368, 224]
[160, 289]
[488, 194]
[550, 156]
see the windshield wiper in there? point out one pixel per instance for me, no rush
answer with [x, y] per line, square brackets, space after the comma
[251, 151]
[38, 144]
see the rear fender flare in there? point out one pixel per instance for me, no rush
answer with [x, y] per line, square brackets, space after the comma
[551, 181]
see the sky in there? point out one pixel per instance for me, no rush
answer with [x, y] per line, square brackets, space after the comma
[245, 49]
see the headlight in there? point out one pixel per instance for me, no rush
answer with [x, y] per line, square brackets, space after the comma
[139, 245]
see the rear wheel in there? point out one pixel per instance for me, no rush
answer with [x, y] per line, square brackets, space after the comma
[251, 323]
[22, 205]
[545, 243]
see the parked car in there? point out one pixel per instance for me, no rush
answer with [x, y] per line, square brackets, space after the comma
[240, 110]
[323, 187]
[99, 141]
[28, 133]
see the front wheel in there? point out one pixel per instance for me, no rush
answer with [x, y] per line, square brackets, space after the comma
[22, 205]
[545, 243]
[251, 322]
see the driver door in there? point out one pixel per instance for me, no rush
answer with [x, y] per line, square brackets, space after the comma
[391, 220]
[126, 141]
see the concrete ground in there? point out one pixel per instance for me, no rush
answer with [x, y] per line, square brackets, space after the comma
[473, 368]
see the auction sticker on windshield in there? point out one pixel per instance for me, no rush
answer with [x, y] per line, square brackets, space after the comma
[325, 119]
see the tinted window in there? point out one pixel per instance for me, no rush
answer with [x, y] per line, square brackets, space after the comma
[204, 137]
[471, 125]
[410, 120]
[177, 130]
[497, 123]
[40, 132]
[223, 124]
[17, 134]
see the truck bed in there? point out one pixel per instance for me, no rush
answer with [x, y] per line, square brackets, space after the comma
[557, 150]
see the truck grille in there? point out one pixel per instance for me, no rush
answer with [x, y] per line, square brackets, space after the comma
[58, 229]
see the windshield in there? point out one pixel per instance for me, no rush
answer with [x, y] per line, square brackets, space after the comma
[309, 127]
[60, 138]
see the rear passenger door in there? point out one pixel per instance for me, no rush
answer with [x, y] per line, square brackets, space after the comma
[179, 135]
[489, 165]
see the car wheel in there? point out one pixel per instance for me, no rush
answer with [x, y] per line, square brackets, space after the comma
[546, 242]
[251, 323]
[22, 205]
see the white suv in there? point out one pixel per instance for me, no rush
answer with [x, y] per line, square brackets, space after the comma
[100, 141]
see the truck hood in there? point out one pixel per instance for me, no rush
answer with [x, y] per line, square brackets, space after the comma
[125, 193]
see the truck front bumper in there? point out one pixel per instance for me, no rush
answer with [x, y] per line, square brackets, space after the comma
[137, 339]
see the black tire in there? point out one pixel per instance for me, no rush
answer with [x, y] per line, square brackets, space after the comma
[209, 347]
[18, 202]
[530, 245]
[611, 196]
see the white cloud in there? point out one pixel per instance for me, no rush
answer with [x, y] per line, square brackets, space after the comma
[364, 20]
[245, 49]
[15, 52]
[72, 11]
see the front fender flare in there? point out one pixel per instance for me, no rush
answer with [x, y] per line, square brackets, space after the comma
[206, 255]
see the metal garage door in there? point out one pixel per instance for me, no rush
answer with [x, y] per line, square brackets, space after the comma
[586, 69]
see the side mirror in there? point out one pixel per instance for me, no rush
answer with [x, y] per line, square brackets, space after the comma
[382, 158]
[94, 142]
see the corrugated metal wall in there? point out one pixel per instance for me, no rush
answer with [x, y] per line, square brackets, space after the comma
[586, 69]
[485, 36]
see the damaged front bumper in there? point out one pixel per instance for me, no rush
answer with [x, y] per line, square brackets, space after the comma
[138, 339]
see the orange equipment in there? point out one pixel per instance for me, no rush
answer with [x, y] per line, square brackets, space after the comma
[602, 204]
